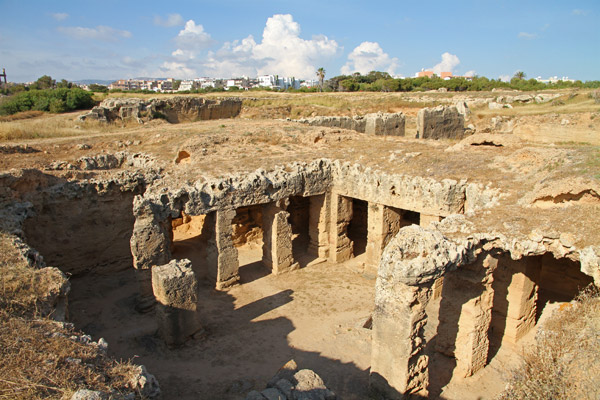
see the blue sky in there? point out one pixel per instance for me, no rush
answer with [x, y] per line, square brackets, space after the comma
[186, 39]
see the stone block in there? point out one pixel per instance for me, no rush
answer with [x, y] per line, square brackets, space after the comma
[175, 288]
[440, 123]
[390, 124]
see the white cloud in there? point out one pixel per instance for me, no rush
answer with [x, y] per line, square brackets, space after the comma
[193, 38]
[173, 69]
[282, 51]
[367, 57]
[60, 16]
[527, 35]
[504, 78]
[470, 73]
[101, 32]
[169, 21]
[448, 63]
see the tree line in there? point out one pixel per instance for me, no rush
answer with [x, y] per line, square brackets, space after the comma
[45, 94]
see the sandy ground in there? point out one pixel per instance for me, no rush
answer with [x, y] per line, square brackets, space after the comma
[313, 315]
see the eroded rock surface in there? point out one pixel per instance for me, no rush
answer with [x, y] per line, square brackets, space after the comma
[440, 123]
[174, 110]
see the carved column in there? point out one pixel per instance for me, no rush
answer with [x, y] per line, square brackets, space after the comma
[277, 238]
[341, 214]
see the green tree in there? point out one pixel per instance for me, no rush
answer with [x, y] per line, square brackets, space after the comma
[321, 76]
[520, 75]
[176, 84]
[64, 84]
[98, 88]
[44, 82]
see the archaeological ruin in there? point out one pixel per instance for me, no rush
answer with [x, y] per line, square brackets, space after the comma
[166, 256]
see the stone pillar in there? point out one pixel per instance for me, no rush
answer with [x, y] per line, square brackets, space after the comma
[342, 247]
[465, 315]
[426, 220]
[398, 365]
[318, 225]
[222, 255]
[150, 245]
[277, 238]
[176, 291]
[410, 264]
[383, 223]
[522, 297]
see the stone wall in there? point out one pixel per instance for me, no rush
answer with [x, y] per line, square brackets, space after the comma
[440, 123]
[392, 124]
[174, 109]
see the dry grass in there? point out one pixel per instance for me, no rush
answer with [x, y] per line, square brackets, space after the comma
[38, 357]
[565, 362]
[53, 126]
[21, 115]
[567, 104]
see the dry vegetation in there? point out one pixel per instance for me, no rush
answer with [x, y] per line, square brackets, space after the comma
[39, 357]
[564, 363]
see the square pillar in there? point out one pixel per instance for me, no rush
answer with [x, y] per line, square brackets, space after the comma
[398, 365]
[176, 290]
[222, 256]
[383, 223]
[277, 239]
[466, 314]
[341, 247]
[522, 298]
[318, 225]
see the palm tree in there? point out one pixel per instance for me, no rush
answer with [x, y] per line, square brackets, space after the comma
[520, 75]
[321, 75]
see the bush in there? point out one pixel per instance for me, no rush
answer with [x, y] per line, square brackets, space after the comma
[53, 100]
[565, 361]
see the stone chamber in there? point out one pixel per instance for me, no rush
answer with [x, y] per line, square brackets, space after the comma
[363, 276]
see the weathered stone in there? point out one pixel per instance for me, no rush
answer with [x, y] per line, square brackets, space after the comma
[254, 395]
[440, 123]
[175, 288]
[310, 386]
[385, 124]
[144, 383]
[277, 239]
[285, 387]
[273, 394]
[175, 109]
[86, 394]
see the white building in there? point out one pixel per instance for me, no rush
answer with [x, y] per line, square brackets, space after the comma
[186, 85]
[554, 79]
[277, 82]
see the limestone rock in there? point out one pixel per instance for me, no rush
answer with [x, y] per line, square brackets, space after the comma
[174, 110]
[86, 394]
[390, 124]
[440, 123]
[310, 386]
[273, 394]
[416, 256]
[254, 395]
[144, 383]
[175, 288]
[174, 284]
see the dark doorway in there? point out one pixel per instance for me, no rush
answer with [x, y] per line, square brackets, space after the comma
[299, 210]
[358, 227]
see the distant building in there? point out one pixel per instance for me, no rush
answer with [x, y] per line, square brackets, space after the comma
[429, 74]
[277, 82]
[185, 86]
[554, 79]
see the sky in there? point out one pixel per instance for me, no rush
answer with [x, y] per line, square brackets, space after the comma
[123, 39]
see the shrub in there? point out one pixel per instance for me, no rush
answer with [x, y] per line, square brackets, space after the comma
[565, 361]
[53, 100]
